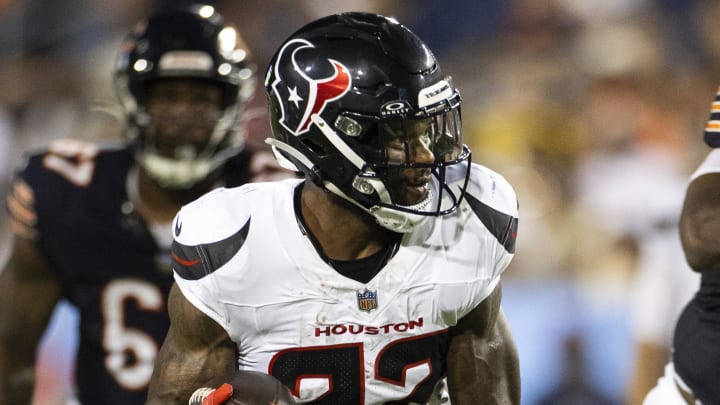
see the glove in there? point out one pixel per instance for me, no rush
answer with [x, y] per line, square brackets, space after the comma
[209, 396]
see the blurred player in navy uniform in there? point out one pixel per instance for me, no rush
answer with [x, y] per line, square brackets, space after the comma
[376, 276]
[691, 377]
[92, 223]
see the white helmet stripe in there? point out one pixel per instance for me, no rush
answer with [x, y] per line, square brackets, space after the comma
[290, 151]
[333, 137]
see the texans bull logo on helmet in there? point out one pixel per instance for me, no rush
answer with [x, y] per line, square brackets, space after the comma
[317, 92]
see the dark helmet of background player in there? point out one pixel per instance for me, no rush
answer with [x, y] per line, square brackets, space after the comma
[187, 41]
[335, 87]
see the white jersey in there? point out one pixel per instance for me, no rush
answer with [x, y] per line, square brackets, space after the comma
[242, 258]
[711, 164]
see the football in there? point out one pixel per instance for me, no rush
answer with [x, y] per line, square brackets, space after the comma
[249, 388]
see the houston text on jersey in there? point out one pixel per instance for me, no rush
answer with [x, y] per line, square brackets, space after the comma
[355, 329]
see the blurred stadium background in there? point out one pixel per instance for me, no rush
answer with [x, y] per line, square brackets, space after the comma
[593, 109]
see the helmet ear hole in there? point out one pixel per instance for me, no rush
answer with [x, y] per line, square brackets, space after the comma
[314, 147]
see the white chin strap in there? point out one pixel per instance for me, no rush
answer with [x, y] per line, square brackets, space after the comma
[397, 221]
[177, 173]
[388, 218]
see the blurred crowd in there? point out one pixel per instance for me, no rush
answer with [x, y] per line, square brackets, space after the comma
[593, 109]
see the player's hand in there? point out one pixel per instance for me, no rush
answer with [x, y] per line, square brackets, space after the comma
[212, 397]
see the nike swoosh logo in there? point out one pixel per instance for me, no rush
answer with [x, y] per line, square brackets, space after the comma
[178, 227]
[211, 256]
[183, 261]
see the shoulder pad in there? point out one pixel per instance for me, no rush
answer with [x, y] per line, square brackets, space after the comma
[494, 202]
[209, 231]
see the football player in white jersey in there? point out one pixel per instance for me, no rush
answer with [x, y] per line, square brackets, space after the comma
[376, 277]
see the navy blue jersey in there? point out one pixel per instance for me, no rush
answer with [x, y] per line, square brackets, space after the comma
[109, 264]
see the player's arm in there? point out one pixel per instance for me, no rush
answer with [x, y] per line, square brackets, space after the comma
[482, 362]
[195, 350]
[700, 223]
[28, 293]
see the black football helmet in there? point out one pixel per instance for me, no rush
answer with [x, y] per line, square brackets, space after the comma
[187, 41]
[341, 89]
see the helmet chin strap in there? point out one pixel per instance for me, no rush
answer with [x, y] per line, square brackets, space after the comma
[181, 174]
[400, 221]
[174, 173]
[388, 218]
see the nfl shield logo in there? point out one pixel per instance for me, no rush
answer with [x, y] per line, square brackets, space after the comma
[367, 300]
